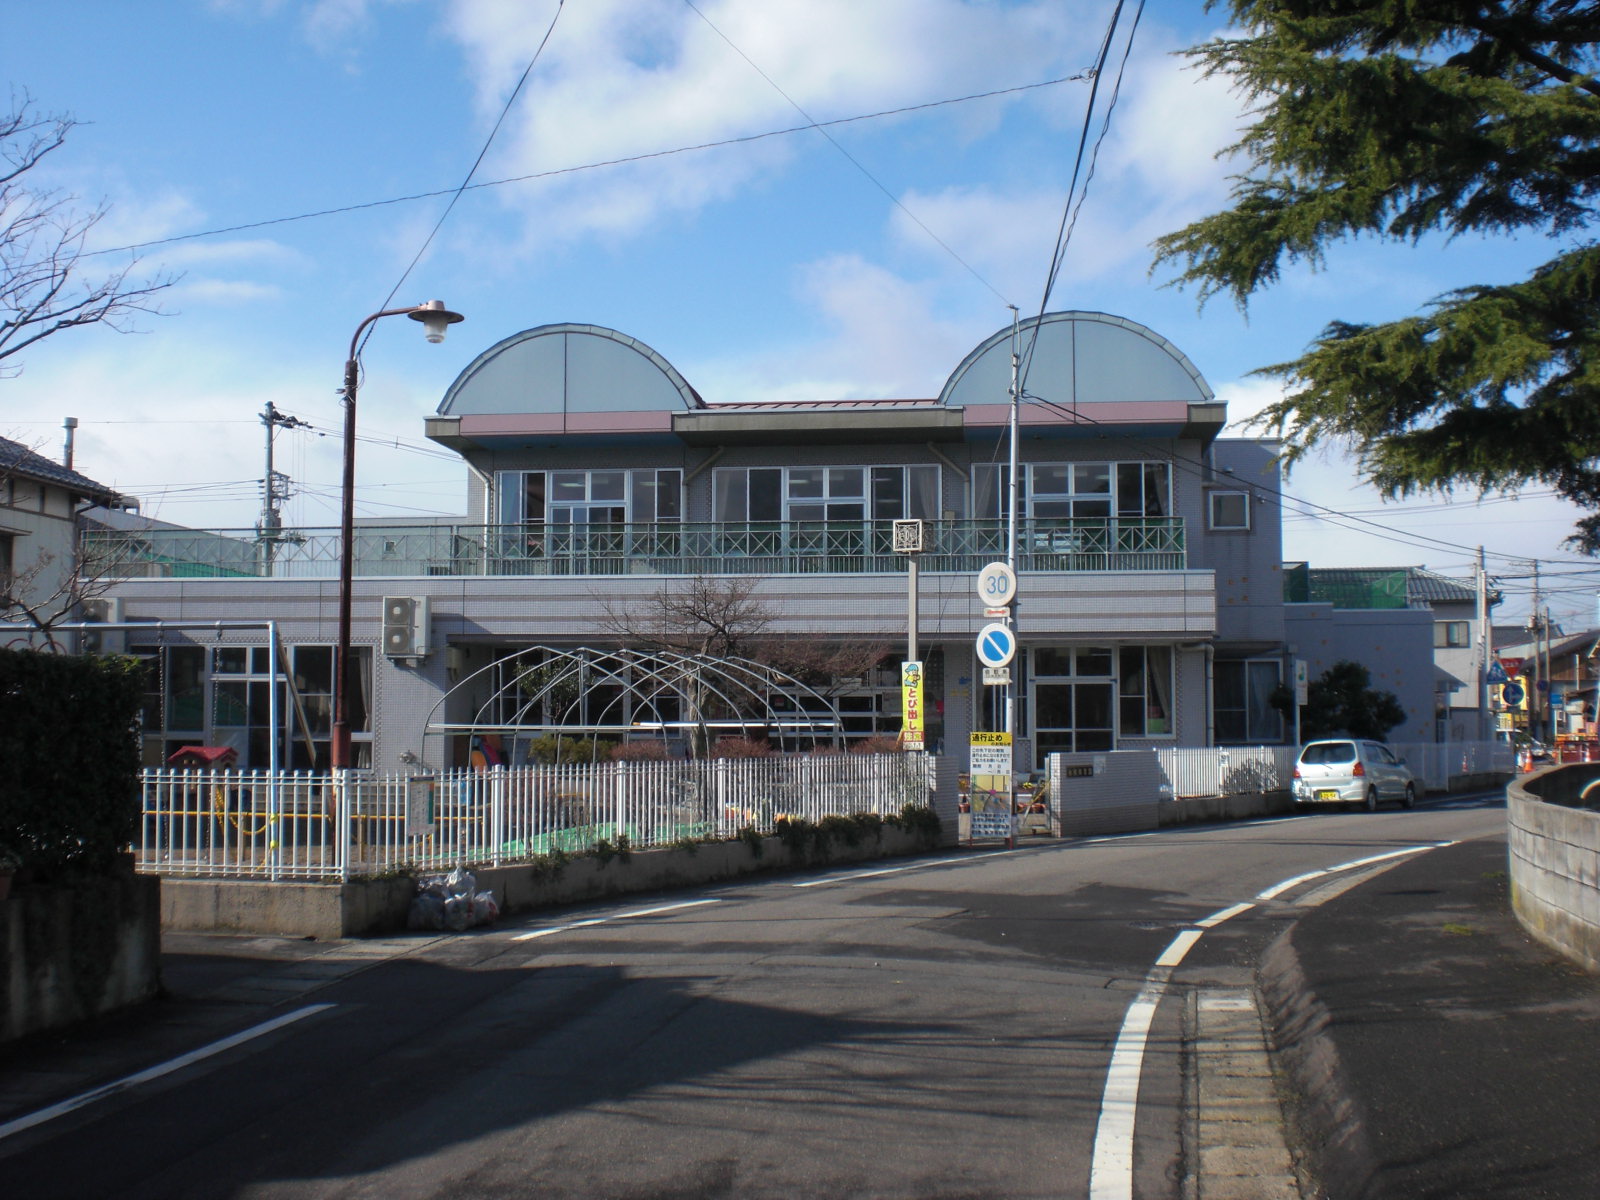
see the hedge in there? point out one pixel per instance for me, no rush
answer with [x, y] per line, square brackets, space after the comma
[69, 760]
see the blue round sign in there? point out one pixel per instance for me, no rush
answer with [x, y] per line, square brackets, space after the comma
[1512, 693]
[997, 645]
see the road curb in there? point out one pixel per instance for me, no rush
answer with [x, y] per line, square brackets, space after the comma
[1325, 1120]
[1235, 1125]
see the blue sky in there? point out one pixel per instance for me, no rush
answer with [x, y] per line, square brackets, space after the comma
[772, 268]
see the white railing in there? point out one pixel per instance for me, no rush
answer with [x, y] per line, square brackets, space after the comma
[255, 824]
[1225, 770]
[1194, 771]
[1437, 763]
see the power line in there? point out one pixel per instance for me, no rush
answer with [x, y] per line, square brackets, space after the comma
[555, 172]
[505, 109]
[1069, 211]
[855, 162]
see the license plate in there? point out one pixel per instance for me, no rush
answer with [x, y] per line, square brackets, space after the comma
[1327, 794]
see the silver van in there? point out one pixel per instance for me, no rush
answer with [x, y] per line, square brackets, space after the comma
[1352, 771]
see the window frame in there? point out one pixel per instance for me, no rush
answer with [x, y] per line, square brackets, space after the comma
[1217, 526]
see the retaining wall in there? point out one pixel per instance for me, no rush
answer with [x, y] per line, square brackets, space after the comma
[368, 906]
[1553, 845]
[69, 953]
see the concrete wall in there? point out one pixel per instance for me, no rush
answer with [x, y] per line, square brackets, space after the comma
[71, 953]
[1115, 792]
[1248, 564]
[1395, 645]
[1553, 842]
[365, 906]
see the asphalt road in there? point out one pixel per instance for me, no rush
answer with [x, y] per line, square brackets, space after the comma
[933, 1029]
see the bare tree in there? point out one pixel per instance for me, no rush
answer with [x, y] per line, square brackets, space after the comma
[45, 284]
[717, 616]
[722, 617]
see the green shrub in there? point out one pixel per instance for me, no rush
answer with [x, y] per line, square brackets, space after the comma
[69, 759]
[553, 748]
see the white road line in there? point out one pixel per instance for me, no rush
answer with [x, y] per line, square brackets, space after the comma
[917, 866]
[1111, 1166]
[1181, 945]
[156, 1072]
[1277, 889]
[621, 916]
[1227, 914]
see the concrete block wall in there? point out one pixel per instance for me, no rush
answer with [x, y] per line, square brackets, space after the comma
[71, 953]
[1554, 853]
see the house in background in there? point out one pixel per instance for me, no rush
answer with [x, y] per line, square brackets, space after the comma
[1416, 631]
[41, 503]
[1150, 607]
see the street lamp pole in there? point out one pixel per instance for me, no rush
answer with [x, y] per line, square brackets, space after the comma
[435, 318]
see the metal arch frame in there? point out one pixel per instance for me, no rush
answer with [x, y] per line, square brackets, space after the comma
[664, 673]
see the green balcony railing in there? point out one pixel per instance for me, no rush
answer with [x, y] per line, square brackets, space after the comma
[667, 548]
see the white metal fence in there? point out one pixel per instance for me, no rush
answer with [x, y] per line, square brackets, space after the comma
[294, 825]
[1229, 770]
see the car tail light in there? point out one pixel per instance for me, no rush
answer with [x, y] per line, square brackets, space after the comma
[1297, 770]
[1358, 770]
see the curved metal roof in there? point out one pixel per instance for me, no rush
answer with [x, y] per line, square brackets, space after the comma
[1079, 358]
[568, 368]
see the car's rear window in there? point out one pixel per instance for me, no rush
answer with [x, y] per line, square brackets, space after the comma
[1329, 752]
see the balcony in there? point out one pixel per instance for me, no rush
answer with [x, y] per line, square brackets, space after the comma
[667, 548]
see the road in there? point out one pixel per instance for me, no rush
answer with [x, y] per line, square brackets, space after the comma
[935, 1028]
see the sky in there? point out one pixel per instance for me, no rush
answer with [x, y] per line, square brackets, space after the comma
[295, 165]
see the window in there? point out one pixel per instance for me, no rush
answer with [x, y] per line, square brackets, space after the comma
[1451, 634]
[5, 554]
[241, 700]
[1241, 707]
[1077, 491]
[1230, 510]
[590, 497]
[1073, 700]
[825, 493]
[1144, 689]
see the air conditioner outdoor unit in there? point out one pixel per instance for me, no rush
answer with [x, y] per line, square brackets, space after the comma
[406, 626]
[106, 610]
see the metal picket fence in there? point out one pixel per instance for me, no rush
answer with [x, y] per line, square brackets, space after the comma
[1195, 771]
[255, 824]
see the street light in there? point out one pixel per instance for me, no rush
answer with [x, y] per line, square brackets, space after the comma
[435, 318]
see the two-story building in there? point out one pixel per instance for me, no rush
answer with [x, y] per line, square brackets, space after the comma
[40, 504]
[601, 484]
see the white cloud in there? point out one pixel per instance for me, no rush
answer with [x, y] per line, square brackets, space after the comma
[619, 79]
[222, 291]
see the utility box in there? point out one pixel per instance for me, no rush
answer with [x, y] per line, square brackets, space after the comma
[407, 622]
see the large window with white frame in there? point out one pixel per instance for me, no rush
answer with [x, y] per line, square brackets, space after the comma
[825, 493]
[1076, 491]
[618, 496]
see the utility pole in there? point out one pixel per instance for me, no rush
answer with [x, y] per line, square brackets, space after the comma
[1011, 560]
[1484, 648]
[1535, 708]
[274, 489]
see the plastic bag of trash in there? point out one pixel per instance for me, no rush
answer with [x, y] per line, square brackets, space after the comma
[427, 911]
[458, 913]
[451, 902]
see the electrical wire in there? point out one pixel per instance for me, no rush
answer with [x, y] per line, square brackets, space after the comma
[1071, 209]
[505, 109]
[601, 164]
[812, 123]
